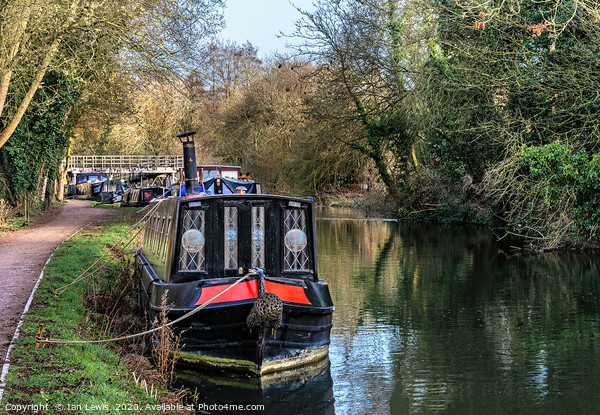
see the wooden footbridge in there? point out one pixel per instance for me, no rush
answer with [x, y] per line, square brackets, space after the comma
[123, 164]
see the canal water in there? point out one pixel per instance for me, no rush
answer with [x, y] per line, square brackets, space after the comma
[445, 319]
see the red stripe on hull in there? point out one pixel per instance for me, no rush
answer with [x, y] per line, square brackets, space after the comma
[248, 290]
[243, 291]
[289, 293]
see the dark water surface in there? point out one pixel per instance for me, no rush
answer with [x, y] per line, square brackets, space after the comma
[443, 319]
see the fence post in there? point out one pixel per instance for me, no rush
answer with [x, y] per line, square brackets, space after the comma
[26, 207]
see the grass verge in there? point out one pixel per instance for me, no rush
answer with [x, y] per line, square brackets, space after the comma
[73, 378]
[12, 224]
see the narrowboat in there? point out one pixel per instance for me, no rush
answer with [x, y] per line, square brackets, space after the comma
[197, 246]
[112, 191]
[145, 188]
[85, 185]
[95, 186]
[141, 196]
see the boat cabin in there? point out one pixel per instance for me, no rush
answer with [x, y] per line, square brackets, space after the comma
[206, 172]
[220, 236]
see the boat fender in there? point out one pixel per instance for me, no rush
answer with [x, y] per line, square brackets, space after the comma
[267, 309]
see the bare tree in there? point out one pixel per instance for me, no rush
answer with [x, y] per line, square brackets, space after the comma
[81, 37]
[229, 67]
[367, 58]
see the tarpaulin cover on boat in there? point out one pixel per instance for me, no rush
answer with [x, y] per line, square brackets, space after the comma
[96, 188]
[220, 185]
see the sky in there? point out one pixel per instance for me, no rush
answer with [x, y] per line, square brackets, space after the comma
[259, 21]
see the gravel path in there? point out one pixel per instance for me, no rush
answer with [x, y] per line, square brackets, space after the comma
[24, 253]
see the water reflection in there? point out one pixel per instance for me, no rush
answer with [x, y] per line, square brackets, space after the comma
[442, 319]
[307, 391]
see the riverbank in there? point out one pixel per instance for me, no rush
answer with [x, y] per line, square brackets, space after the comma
[457, 211]
[79, 378]
[24, 253]
[376, 203]
[371, 203]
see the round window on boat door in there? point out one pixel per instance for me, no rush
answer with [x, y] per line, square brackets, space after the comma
[192, 240]
[295, 240]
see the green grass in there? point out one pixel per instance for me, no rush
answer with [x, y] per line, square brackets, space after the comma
[12, 225]
[72, 377]
[101, 205]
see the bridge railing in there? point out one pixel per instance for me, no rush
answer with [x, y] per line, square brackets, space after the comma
[125, 163]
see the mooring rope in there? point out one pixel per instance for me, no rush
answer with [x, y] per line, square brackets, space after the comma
[131, 336]
[84, 274]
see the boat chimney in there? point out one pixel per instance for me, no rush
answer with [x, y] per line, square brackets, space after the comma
[189, 162]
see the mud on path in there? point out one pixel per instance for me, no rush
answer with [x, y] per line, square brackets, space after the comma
[24, 253]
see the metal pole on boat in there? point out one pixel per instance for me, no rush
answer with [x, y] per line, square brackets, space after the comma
[189, 160]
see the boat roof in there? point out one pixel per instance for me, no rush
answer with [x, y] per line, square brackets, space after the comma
[203, 196]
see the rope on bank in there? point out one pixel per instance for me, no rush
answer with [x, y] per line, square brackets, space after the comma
[85, 274]
[41, 340]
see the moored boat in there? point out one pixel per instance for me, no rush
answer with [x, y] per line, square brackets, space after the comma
[195, 247]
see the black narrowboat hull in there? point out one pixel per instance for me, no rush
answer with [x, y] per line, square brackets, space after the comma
[142, 196]
[218, 337]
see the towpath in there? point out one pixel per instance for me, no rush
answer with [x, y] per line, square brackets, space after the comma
[24, 253]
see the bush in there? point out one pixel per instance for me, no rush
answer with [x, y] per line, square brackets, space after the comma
[549, 193]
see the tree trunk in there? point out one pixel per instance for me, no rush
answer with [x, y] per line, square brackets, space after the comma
[16, 119]
[387, 179]
[14, 32]
[43, 191]
[10, 128]
[60, 186]
[62, 174]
